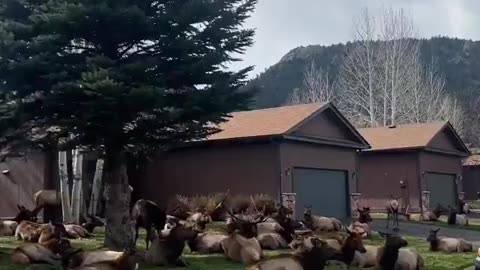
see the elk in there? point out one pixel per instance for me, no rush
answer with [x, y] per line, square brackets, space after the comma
[47, 197]
[434, 214]
[207, 243]
[393, 256]
[33, 232]
[99, 260]
[361, 226]
[313, 255]
[8, 227]
[456, 219]
[242, 244]
[319, 223]
[279, 233]
[25, 214]
[200, 219]
[168, 247]
[92, 223]
[75, 231]
[145, 214]
[448, 245]
[49, 252]
[392, 208]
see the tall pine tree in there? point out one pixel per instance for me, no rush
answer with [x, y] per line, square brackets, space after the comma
[121, 77]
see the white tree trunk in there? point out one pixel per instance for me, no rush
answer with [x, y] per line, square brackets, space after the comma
[96, 187]
[77, 185]
[64, 187]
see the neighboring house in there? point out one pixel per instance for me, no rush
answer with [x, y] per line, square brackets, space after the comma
[471, 177]
[426, 157]
[20, 178]
[306, 149]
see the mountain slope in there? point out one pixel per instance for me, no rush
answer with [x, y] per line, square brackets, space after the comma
[457, 59]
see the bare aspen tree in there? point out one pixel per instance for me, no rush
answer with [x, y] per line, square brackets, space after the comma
[383, 82]
[316, 87]
[358, 84]
[64, 187]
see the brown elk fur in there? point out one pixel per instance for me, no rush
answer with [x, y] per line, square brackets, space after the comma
[121, 262]
[207, 242]
[75, 231]
[448, 244]
[393, 256]
[8, 227]
[48, 252]
[47, 197]
[168, 247]
[319, 223]
[392, 207]
[148, 214]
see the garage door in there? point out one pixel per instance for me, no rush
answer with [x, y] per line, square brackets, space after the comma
[325, 190]
[442, 189]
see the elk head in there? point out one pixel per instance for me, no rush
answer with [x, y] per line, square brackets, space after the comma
[365, 216]
[246, 228]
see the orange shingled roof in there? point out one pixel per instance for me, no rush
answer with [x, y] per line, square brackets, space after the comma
[402, 136]
[265, 122]
[473, 160]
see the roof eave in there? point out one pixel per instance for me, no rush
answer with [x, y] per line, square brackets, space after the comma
[326, 141]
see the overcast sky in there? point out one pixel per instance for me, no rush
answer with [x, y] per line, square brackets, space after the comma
[285, 24]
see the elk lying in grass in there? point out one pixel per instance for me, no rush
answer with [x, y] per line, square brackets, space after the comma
[25, 214]
[76, 259]
[92, 222]
[200, 219]
[207, 243]
[361, 226]
[8, 227]
[448, 245]
[242, 244]
[47, 197]
[313, 255]
[34, 232]
[456, 219]
[145, 214]
[75, 231]
[392, 208]
[393, 256]
[319, 223]
[278, 232]
[49, 252]
[168, 247]
[434, 215]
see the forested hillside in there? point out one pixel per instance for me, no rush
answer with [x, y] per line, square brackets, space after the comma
[457, 59]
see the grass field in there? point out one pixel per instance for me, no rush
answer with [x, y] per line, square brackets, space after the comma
[433, 261]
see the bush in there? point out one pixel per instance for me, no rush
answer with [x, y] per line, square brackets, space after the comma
[199, 203]
[179, 207]
[265, 203]
[240, 204]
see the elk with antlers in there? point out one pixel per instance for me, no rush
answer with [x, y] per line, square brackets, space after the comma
[392, 208]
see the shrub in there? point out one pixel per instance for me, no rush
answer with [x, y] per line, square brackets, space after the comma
[179, 207]
[265, 203]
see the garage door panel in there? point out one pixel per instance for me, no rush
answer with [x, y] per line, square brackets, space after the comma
[442, 189]
[325, 190]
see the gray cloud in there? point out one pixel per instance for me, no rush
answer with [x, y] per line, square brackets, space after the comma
[285, 24]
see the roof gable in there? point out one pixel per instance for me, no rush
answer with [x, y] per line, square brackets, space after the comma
[265, 122]
[316, 120]
[328, 124]
[431, 136]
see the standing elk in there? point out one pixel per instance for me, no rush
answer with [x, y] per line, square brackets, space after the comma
[47, 197]
[145, 214]
[392, 208]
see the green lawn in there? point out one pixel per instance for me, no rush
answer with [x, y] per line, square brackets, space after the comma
[434, 261]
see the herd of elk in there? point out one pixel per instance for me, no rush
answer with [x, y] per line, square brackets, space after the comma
[244, 240]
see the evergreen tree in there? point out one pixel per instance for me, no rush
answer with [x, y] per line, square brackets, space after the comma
[121, 77]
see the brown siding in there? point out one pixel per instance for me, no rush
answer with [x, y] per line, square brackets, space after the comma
[380, 175]
[326, 125]
[243, 169]
[25, 178]
[444, 140]
[471, 182]
[315, 156]
[432, 162]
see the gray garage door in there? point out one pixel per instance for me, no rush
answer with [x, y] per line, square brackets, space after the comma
[325, 190]
[442, 189]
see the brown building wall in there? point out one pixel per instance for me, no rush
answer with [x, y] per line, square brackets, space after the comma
[471, 182]
[438, 163]
[242, 168]
[315, 156]
[380, 175]
[27, 176]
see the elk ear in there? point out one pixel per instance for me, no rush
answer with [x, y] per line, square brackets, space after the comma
[436, 231]
[19, 207]
[382, 234]
[348, 231]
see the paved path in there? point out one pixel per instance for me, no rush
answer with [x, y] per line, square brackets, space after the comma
[421, 230]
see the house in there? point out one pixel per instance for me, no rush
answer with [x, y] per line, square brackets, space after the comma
[20, 178]
[424, 159]
[471, 177]
[309, 150]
